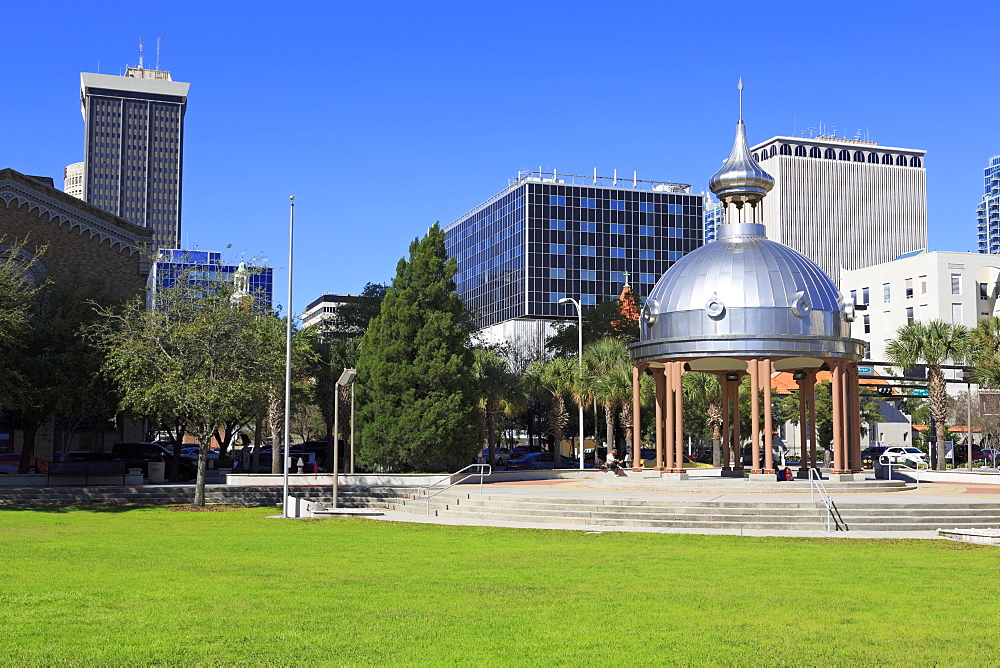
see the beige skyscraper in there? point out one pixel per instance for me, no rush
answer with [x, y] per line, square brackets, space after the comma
[844, 203]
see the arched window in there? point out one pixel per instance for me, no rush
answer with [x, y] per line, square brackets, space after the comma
[756, 157]
[859, 156]
[785, 149]
[814, 152]
[886, 159]
[914, 161]
[901, 160]
[830, 154]
[800, 151]
[873, 157]
[845, 155]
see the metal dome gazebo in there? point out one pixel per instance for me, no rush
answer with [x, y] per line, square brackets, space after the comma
[746, 305]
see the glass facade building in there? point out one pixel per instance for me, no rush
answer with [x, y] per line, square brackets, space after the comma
[715, 215]
[988, 213]
[204, 267]
[544, 238]
[133, 150]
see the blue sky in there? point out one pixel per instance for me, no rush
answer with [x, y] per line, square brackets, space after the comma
[384, 117]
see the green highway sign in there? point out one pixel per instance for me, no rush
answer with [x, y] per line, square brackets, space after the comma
[921, 392]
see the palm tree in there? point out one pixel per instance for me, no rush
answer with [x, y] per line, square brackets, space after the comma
[932, 343]
[704, 395]
[556, 377]
[984, 351]
[600, 359]
[498, 391]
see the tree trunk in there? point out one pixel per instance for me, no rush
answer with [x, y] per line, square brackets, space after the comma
[29, 427]
[199, 483]
[258, 439]
[716, 445]
[609, 422]
[939, 408]
[491, 433]
[275, 418]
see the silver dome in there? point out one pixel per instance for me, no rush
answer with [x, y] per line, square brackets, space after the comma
[740, 174]
[745, 295]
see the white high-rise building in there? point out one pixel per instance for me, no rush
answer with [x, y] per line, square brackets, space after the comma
[73, 180]
[988, 213]
[844, 203]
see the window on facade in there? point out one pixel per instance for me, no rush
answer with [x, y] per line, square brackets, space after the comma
[556, 296]
[873, 157]
[646, 207]
[616, 228]
[616, 205]
[909, 315]
[785, 149]
[557, 224]
[588, 275]
[923, 285]
[756, 157]
[909, 288]
[647, 278]
[617, 252]
[618, 277]
[814, 152]
[956, 284]
[901, 160]
[868, 351]
[588, 202]
[956, 314]
[854, 296]
[845, 155]
[673, 256]
[830, 154]
[557, 249]
[864, 295]
[914, 161]
[647, 255]
[800, 151]
[588, 227]
[588, 250]
[675, 209]
[588, 300]
[886, 159]
[867, 320]
[557, 200]
[555, 272]
[859, 156]
[984, 291]
[647, 230]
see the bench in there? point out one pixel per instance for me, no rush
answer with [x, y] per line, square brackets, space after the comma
[85, 473]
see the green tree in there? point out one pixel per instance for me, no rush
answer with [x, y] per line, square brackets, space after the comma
[200, 357]
[555, 378]
[16, 298]
[417, 406]
[984, 351]
[600, 359]
[934, 343]
[602, 321]
[330, 356]
[498, 391]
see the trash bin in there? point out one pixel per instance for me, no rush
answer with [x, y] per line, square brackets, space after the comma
[157, 472]
[882, 468]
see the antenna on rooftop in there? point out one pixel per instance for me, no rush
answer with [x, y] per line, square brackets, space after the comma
[159, 48]
[140, 52]
[740, 87]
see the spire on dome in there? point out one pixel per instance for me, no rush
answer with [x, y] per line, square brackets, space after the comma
[740, 180]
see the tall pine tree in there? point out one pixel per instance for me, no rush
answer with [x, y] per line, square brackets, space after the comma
[417, 404]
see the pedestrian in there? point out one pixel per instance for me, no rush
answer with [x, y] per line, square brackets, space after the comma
[611, 463]
[779, 474]
[628, 459]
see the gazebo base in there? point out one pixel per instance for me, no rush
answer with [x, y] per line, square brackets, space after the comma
[837, 476]
[732, 473]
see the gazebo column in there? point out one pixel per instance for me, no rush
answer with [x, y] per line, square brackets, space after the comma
[764, 369]
[668, 399]
[752, 367]
[854, 458]
[804, 463]
[725, 421]
[661, 391]
[678, 417]
[840, 424]
[811, 403]
[636, 417]
[737, 436]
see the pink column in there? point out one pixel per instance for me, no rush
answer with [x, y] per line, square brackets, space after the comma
[811, 400]
[765, 376]
[838, 417]
[725, 421]
[661, 390]
[636, 419]
[737, 436]
[668, 439]
[803, 426]
[754, 416]
[854, 458]
[679, 417]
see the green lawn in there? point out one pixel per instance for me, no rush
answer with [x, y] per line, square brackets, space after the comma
[129, 586]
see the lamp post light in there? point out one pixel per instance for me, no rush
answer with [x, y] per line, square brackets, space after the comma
[346, 378]
[579, 331]
[288, 358]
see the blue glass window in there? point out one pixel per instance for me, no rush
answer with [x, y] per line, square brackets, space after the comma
[675, 208]
[647, 255]
[647, 278]
[588, 275]
[557, 224]
[616, 205]
[588, 250]
[555, 272]
[647, 230]
[588, 227]
[673, 256]
[557, 200]
[617, 252]
[588, 202]
[557, 249]
[618, 277]
[616, 228]
[675, 233]
[556, 296]
[588, 300]
[646, 207]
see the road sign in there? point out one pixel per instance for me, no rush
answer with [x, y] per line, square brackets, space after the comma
[920, 392]
[864, 369]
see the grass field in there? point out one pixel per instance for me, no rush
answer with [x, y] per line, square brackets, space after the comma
[162, 586]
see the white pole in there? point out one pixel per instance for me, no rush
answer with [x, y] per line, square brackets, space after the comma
[579, 332]
[288, 355]
[352, 429]
[336, 438]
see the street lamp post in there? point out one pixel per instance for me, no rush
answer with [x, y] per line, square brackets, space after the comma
[579, 332]
[288, 357]
[346, 378]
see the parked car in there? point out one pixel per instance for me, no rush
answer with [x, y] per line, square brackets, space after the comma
[962, 454]
[898, 454]
[522, 450]
[533, 461]
[309, 460]
[139, 455]
[502, 457]
[870, 455]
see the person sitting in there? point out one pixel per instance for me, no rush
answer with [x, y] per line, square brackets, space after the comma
[787, 473]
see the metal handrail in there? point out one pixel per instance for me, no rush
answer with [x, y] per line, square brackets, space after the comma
[816, 484]
[483, 470]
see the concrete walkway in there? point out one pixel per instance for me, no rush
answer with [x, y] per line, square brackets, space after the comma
[928, 493]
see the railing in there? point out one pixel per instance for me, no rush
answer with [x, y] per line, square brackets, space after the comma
[816, 485]
[482, 470]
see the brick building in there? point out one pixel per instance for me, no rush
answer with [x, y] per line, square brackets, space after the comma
[82, 243]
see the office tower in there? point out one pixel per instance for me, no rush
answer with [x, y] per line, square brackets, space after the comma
[73, 180]
[549, 236]
[134, 148]
[988, 213]
[324, 308]
[256, 284]
[844, 203]
[715, 215]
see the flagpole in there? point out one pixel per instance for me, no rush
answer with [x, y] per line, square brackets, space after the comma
[288, 356]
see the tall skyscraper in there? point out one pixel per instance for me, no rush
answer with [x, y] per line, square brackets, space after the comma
[547, 236]
[134, 148]
[844, 203]
[988, 213]
[73, 180]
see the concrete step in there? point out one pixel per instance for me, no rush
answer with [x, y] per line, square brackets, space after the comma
[708, 523]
